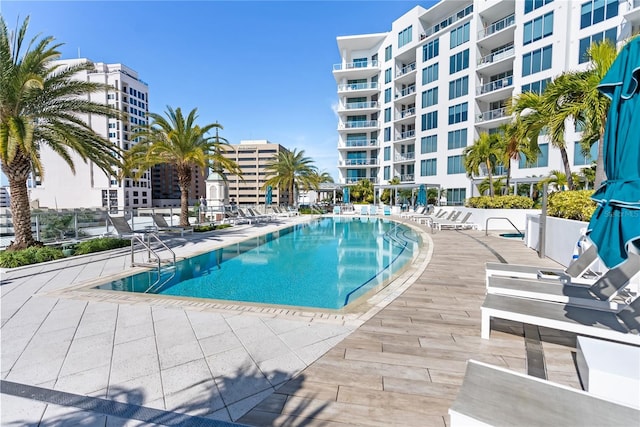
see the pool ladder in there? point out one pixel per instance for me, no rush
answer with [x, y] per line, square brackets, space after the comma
[154, 260]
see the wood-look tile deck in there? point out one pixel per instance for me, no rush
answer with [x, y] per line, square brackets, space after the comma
[405, 365]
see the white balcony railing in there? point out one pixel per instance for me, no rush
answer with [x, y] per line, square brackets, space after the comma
[497, 26]
[360, 124]
[407, 177]
[407, 113]
[498, 55]
[448, 21]
[406, 69]
[492, 115]
[406, 135]
[360, 105]
[360, 162]
[361, 143]
[355, 65]
[346, 87]
[495, 85]
[405, 157]
[406, 91]
[357, 180]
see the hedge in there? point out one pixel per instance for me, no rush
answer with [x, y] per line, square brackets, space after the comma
[499, 202]
[575, 204]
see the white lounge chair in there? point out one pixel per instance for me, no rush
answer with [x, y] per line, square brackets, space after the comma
[494, 396]
[577, 272]
[622, 326]
[461, 224]
[163, 226]
[420, 210]
[601, 295]
[123, 229]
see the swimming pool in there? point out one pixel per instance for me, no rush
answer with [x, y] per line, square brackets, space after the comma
[327, 263]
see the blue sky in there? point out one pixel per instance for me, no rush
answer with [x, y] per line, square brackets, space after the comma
[262, 69]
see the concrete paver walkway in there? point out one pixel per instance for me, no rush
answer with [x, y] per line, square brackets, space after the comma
[402, 365]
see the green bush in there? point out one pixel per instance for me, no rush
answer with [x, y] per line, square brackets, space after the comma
[500, 202]
[210, 227]
[571, 205]
[101, 244]
[33, 255]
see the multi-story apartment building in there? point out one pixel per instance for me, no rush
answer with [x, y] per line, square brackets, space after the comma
[411, 99]
[165, 188]
[252, 156]
[90, 186]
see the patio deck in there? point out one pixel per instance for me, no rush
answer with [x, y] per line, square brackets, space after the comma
[196, 363]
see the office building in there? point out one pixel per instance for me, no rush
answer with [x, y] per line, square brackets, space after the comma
[165, 188]
[252, 156]
[411, 99]
[90, 186]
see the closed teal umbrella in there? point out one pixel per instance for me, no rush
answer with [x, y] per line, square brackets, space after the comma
[615, 224]
[345, 195]
[268, 197]
[422, 195]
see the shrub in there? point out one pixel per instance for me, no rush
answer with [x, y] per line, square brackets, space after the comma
[500, 202]
[101, 244]
[33, 255]
[571, 205]
[210, 227]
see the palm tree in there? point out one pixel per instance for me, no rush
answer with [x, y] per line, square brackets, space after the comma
[41, 105]
[589, 105]
[514, 144]
[291, 170]
[177, 140]
[484, 151]
[363, 191]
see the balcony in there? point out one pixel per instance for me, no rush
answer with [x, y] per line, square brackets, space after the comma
[492, 115]
[405, 157]
[359, 124]
[409, 112]
[499, 55]
[407, 178]
[360, 162]
[497, 26]
[495, 90]
[406, 69]
[447, 22]
[355, 65]
[362, 88]
[632, 15]
[361, 143]
[406, 135]
[406, 92]
[367, 105]
[357, 180]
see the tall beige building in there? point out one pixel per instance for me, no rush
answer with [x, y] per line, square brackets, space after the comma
[253, 156]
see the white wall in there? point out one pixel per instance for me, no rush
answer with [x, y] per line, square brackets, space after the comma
[517, 216]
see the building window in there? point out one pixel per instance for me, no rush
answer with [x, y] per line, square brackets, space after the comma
[459, 87]
[387, 95]
[387, 173]
[430, 120]
[542, 161]
[405, 36]
[387, 53]
[428, 167]
[457, 139]
[429, 144]
[611, 34]
[456, 196]
[387, 153]
[531, 5]
[536, 87]
[458, 113]
[538, 28]
[430, 50]
[595, 11]
[387, 75]
[459, 61]
[459, 35]
[455, 165]
[387, 134]
[387, 114]
[430, 74]
[536, 61]
[430, 97]
[579, 159]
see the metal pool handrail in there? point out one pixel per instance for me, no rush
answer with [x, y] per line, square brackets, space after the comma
[486, 224]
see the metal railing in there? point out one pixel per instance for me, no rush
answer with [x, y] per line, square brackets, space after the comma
[409, 112]
[497, 26]
[495, 85]
[357, 86]
[486, 225]
[405, 157]
[461, 14]
[360, 124]
[407, 177]
[406, 135]
[361, 143]
[360, 105]
[505, 52]
[406, 91]
[492, 115]
[355, 65]
[406, 69]
[360, 162]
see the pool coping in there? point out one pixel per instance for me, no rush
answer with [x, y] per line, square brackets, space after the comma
[354, 316]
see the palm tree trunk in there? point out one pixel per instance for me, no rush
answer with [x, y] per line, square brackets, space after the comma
[491, 192]
[184, 182]
[20, 209]
[601, 176]
[567, 167]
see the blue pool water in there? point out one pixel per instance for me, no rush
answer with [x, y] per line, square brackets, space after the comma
[327, 263]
